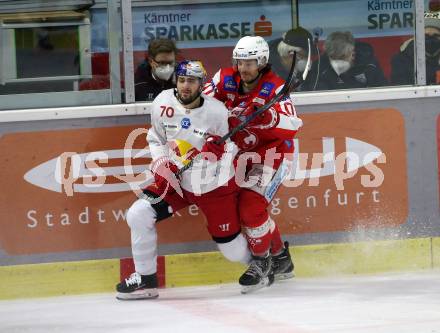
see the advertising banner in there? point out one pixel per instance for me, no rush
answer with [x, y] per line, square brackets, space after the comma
[363, 18]
[201, 25]
[216, 27]
[221, 24]
[61, 191]
[349, 174]
[69, 190]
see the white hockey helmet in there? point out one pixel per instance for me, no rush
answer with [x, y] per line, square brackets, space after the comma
[252, 47]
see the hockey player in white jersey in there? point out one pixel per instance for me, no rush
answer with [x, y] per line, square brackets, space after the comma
[185, 123]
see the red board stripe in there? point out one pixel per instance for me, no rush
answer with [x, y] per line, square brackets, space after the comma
[127, 267]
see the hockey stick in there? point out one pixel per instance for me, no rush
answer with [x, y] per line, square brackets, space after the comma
[288, 85]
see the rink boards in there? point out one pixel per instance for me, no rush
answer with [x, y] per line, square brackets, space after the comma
[379, 212]
[95, 276]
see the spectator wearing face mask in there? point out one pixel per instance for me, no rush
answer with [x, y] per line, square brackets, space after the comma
[156, 73]
[402, 64]
[281, 56]
[348, 64]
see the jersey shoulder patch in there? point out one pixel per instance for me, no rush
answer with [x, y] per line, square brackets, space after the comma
[266, 89]
[229, 83]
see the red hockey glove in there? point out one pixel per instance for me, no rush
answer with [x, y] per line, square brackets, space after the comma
[244, 139]
[265, 120]
[211, 146]
[164, 171]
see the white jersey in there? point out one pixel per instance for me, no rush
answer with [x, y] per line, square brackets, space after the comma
[178, 132]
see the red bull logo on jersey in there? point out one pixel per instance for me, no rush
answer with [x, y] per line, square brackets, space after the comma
[182, 151]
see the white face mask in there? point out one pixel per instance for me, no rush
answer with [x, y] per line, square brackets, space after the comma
[164, 72]
[300, 66]
[340, 66]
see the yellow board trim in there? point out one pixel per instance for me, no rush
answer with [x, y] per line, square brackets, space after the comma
[311, 261]
[56, 279]
[436, 252]
[93, 276]
[200, 269]
[362, 257]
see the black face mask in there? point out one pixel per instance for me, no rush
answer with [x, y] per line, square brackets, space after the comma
[432, 45]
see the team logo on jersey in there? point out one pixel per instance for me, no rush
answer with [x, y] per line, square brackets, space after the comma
[246, 140]
[229, 83]
[182, 151]
[185, 123]
[266, 89]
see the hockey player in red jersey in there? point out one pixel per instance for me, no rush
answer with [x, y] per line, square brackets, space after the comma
[242, 88]
[184, 121]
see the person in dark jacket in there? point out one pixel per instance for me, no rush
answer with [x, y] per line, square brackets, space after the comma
[348, 64]
[281, 56]
[402, 64]
[156, 73]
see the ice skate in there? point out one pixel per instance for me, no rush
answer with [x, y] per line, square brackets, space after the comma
[258, 275]
[282, 264]
[138, 287]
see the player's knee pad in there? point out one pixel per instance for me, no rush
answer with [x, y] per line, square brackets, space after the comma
[162, 208]
[141, 214]
[236, 250]
[252, 208]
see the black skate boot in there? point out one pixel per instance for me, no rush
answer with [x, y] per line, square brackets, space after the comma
[258, 275]
[282, 264]
[138, 287]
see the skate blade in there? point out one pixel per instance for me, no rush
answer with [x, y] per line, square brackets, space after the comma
[265, 282]
[284, 276]
[138, 295]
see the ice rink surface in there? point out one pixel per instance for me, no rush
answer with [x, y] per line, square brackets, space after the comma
[391, 303]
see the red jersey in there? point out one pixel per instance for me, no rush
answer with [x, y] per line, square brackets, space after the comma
[226, 87]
